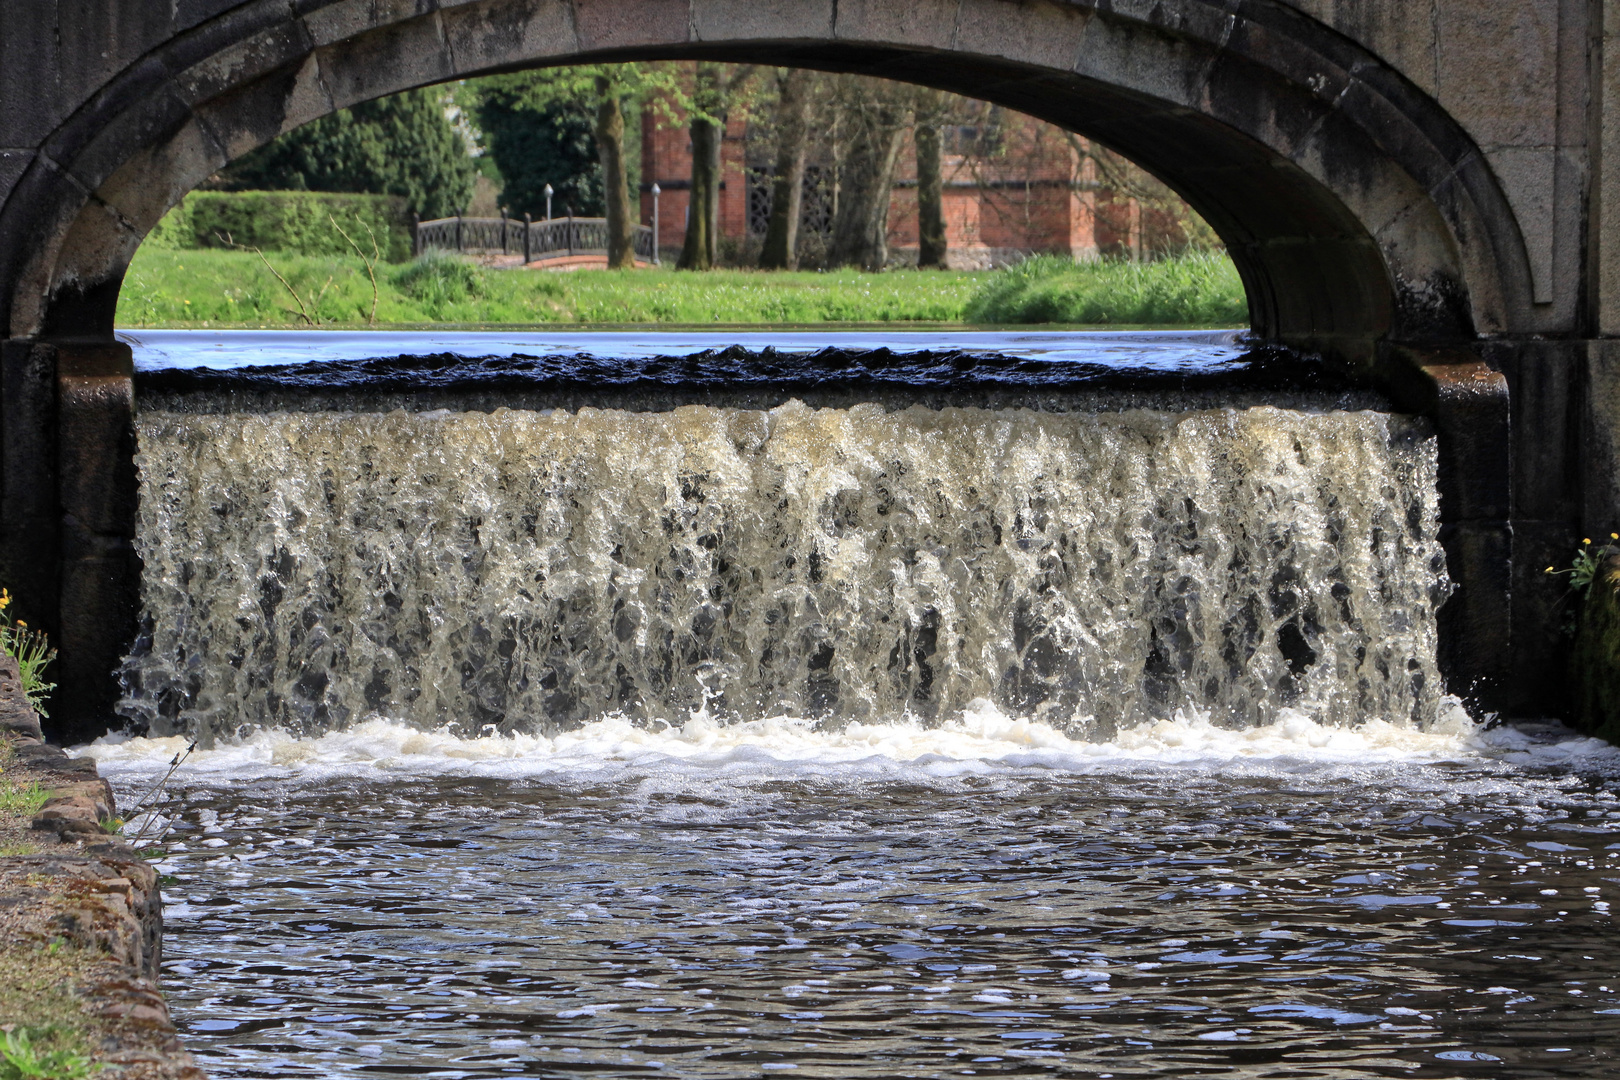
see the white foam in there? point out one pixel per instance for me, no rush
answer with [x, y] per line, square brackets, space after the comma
[982, 740]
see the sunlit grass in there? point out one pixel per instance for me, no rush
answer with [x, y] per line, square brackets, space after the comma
[236, 289]
[1199, 289]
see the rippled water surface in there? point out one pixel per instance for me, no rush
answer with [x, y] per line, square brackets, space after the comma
[990, 899]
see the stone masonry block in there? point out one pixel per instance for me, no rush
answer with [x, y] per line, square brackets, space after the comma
[1398, 31]
[1498, 69]
[384, 61]
[28, 430]
[96, 440]
[486, 35]
[762, 20]
[1527, 174]
[1145, 59]
[17, 717]
[1475, 621]
[328, 23]
[1035, 32]
[1600, 438]
[625, 24]
[274, 46]
[153, 180]
[13, 163]
[925, 23]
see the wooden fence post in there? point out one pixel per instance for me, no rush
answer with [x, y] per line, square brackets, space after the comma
[570, 228]
[416, 235]
[528, 227]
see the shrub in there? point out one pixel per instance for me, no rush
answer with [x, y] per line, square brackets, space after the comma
[292, 222]
[438, 280]
[1191, 289]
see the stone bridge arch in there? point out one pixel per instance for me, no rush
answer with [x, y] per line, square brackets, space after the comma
[1364, 217]
[1356, 209]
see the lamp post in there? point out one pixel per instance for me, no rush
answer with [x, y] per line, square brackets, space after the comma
[656, 191]
[548, 202]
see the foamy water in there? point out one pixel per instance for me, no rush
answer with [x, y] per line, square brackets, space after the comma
[982, 740]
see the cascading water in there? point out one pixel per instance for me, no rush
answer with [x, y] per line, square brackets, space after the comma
[534, 570]
[857, 714]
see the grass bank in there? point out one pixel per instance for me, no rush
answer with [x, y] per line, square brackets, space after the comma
[1200, 289]
[195, 288]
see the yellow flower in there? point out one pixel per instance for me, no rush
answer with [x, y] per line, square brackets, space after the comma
[21, 625]
[1549, 569]
[1588, 540]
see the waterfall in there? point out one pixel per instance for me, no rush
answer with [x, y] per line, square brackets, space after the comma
[533, 569]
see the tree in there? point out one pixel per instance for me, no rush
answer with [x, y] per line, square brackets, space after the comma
[537, 135]
[875, 114]
[794, 89]
[615, 178]
[402, 145]
[931, 244]
[526, 117]
[708, 106]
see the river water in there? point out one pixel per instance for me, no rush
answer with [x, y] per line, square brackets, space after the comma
[989, 899]
[1024, 706]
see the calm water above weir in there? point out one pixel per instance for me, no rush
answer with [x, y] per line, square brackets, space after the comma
[1032, 704]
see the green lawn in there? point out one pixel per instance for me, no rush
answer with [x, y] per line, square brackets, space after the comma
[194, 288]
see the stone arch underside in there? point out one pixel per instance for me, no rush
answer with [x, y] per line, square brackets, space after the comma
[1355, 209]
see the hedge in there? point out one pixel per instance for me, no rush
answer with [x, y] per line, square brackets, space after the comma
[292, 222]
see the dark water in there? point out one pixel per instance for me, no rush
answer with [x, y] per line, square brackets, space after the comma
[1409, 907]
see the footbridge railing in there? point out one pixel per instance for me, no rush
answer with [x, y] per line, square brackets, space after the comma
[536, 241]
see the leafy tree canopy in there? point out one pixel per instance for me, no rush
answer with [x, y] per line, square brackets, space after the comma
[538, 126]
[537, 138]
[400, 145]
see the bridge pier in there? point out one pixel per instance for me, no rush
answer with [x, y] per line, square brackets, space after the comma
[68, 511]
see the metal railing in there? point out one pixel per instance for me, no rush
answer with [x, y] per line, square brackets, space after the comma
[534, 240]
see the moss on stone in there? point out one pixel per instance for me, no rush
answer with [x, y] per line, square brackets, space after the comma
[1595, 662]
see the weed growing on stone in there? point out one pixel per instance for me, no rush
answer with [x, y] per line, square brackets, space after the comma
[1588, 563]
[21, 800]
[30, 649]
[22, 1059]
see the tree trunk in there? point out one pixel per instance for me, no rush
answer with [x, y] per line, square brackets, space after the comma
[698, 249]
[615, 178]
[861, 228]
[931, 246]
[787, 191]
[701, 249]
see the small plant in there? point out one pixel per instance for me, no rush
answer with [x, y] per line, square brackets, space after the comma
[31, 651]
[437, 280]
[21, 1059]
[371, 262]
[21, 800]
[1588, 563]
[311, 312]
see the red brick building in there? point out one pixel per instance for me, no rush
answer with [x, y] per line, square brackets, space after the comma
[1012, 189]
